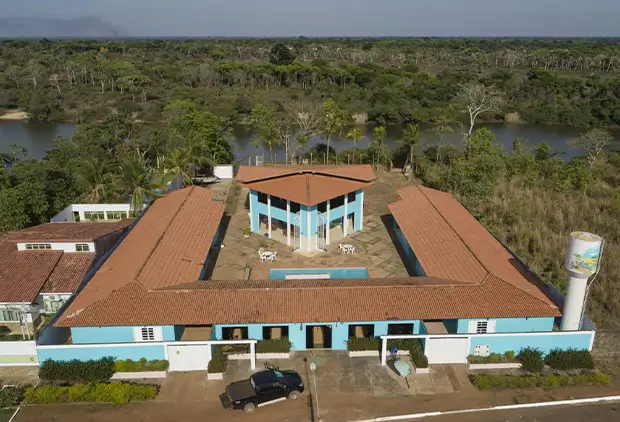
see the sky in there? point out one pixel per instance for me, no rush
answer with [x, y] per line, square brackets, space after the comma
[236, 18]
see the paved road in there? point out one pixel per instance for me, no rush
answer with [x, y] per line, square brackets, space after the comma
[589, 413]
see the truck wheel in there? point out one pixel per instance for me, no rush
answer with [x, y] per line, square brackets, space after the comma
[249, 407]
[293, 395]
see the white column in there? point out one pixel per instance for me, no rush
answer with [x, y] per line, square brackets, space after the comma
[383, 351]
[308, 235]
[361, 210]
[327, 224]
[345, 220]
[288, 222]
[253, 356]
[252, 228]
[82, 218]
[269, 215]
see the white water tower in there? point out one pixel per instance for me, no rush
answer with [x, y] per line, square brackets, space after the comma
[583, 259]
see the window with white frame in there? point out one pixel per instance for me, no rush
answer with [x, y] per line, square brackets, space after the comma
[482, 326]
[82, 247]
[116, 215]
[94, 215]
[147, 334]
[9, 315]
[38, 246]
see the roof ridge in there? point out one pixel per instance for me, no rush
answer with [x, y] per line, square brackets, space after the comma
[419, 188]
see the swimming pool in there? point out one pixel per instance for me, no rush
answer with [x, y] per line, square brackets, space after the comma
[316, 273]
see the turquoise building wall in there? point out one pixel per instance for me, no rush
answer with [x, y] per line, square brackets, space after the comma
[512, 325]
[148, 351]
[120, 334]
[406, 248]
[353, 207]
[546, 343]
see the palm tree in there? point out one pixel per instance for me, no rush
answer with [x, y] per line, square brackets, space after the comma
[95, 178]
[136, 183]
[411, 137]
[354, 135]
[180, 163]
[379, 134]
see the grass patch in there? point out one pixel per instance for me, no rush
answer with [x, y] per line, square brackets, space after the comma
[492, 382]
[508, 357]
[218, 361]
[115, 392]
[6, 414]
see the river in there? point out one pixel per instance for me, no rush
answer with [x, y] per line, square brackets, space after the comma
[38, 138]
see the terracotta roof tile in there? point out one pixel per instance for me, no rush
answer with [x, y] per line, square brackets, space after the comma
[361, 172]
[157, 251]
[68, 273]
[134, 306]
[69, 232]
[437, 247]
[307, 185]
[470, 248]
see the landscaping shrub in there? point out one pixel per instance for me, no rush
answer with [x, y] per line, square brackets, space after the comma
[76, 370]
[488, 381]
[404, 344]
[115, 392]
[363, 343]
[276, 345]
[140, 365]
[507, 357]
[570, 359]
[531, 359]
[420, 361]
[218, 361]
[11, 396]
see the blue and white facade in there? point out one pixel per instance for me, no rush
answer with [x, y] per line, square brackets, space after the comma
[312, 225]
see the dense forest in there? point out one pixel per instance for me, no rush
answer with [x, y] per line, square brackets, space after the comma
[573, 82]
[150, 111]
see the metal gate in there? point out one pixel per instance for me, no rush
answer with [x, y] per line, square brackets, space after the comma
[320, 231]
[297, 231]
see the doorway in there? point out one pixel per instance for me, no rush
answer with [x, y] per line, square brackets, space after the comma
[318, 337]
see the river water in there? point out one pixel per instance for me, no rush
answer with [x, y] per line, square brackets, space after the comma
[38, 138]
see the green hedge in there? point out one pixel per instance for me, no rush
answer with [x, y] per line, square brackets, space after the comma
[76, 370]
[570, 359]
[11, 396]
[531, 359]
[140, 366]
[277, 345]
[115, 392]
[363, 343]
[13, 337]
[487, 381]
[507, 357]
[218, 361]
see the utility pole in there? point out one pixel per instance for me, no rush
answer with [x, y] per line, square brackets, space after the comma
[316, 394]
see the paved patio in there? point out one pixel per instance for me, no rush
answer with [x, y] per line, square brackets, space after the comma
[375, 249]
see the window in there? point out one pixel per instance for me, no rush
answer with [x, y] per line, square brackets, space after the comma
[52, 305]
[337, 202]
[147, 334]
[295, 207]
[116, 215]
[481, 327]
[322, 207]
[278, 203]
[351, 197]
[82, 247]
[8, 315]
[262, 198]
[38, 246]
[94, 215]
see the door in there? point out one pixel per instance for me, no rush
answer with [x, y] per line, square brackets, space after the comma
[189, 358]
[447, 350]
[270, 393]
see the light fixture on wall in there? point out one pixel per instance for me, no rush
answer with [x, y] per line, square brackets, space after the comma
[301, 326]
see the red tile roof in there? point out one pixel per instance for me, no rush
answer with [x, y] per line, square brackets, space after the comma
[138, 286]
[24, 274]
[68, 273]
[69, 232]
[307, 185]
[449, 242]
[166, 247]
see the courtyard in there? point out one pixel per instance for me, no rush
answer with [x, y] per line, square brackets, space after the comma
[375, 249]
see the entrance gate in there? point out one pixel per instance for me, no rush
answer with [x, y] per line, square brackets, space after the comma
[320, 231]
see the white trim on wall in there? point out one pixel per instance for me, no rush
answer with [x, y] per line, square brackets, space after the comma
[145, 343]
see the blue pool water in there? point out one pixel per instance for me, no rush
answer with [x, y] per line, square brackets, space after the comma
[320, 273]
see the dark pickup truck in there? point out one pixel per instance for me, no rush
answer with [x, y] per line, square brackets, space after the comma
[262, 388]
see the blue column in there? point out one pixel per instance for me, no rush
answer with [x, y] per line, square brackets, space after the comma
[304, 220]
[254, 206]
[357, 210]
